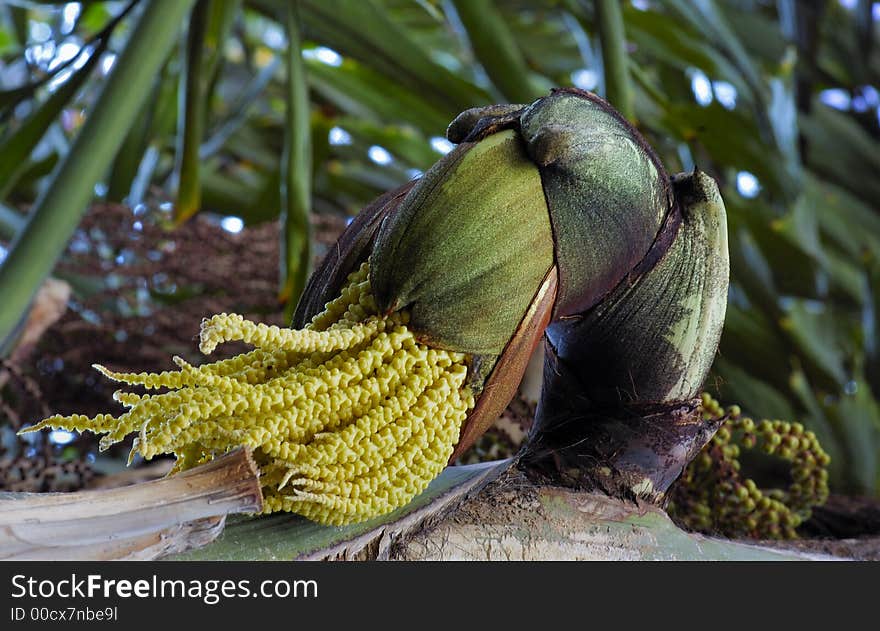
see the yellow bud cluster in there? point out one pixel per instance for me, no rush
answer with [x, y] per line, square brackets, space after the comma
[713, 496]
[349, 418]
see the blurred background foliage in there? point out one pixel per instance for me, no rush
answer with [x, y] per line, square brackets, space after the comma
[185, 107]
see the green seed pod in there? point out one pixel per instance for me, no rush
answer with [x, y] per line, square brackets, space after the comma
[711, 408]
[800, 475]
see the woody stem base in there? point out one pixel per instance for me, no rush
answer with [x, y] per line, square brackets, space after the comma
[632, 451]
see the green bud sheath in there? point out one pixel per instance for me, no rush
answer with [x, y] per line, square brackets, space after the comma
[468, 247]
[608, 196]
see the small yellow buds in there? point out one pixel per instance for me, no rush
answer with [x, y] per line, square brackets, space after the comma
[348, 418]
[231, 326]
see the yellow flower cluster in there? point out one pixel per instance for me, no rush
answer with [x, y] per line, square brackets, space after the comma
[348, 418]
[714, 496]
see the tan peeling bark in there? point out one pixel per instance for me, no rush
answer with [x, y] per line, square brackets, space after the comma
[142, 521]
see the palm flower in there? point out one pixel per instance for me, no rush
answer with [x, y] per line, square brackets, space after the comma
[413, 334]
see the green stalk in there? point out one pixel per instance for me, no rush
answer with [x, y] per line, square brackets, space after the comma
[191, 119]
[58, 211]
[221, 19]
[612, 37]
[296, 170]
[497, 50]
[11, 222]
[125, 166]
